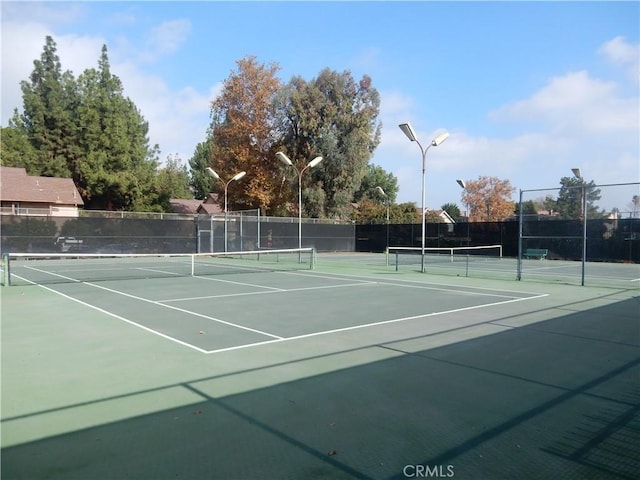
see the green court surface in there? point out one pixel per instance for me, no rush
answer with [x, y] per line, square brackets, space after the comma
[350, 370]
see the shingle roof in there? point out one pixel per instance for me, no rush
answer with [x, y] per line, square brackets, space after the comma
[185, 206]
[17, 186]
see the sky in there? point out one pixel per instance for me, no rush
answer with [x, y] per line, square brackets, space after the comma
[526, 90]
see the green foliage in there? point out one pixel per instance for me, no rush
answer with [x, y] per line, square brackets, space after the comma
[201, 183]
[117, 169]
[336, 117]
[16, 150]
[528, 208]
[375, 177]
[86, 130]
[371, 211]
[453, 210]
[173, 182]
[48, 116]
[570, 198]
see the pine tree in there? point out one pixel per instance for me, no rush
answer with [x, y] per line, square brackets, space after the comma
[48, 117]
[118, 167]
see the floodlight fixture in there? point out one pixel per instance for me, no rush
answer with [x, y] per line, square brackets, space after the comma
[462, 184]
[576, 172]
[314, 162]
[237, 176]
[212, 172]
[440, 139]
[284, 159]
[287, 161]
[408, 131]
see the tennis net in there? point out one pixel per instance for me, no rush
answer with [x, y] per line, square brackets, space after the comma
[45, 268]
[441, 255]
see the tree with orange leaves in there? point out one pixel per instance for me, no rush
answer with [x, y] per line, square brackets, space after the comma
[241, 134]
[489, 199]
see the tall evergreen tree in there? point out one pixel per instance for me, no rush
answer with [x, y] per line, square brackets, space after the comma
[48, 117]
[118, 167]
[569, 201]
[201, 183]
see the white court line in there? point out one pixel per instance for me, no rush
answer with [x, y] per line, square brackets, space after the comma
[182, 310]
[374, 324]
[427, 286]
[111, 314]
[215, 279]
[263, 293]
[75, 280]
[275, 337]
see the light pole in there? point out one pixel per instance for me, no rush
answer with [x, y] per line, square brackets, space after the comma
[408, 131]
[284, 159]
[583, 208]
[237, 176]
[382, 192]
[464, 187]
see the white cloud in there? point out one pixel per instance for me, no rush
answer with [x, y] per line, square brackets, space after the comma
[49, 13]
[575, 104]
[574, 120]
[178, 120]
[166, 38]
[621, 53]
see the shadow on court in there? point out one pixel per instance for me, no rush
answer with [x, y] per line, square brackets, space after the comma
[555, 399]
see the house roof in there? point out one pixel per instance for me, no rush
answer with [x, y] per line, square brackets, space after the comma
[17, 186]
[210, 208]
[185, 206]
[210, 205]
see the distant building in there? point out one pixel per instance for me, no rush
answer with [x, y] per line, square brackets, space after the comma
[185, 206]
[208, 206]
[22, 194]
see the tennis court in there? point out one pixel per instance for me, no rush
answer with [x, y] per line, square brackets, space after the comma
[335, 367]
[488, 262]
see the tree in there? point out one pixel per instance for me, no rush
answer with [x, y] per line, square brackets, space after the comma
[201, 183]
[371, 211]
[528, 208]
[117, 167]
[242, 134]
[16, 150]
[86, 130]
[48, 118]
[336, 117]
[375, 177]
[569, 201]
[172, 182]
[489, 199]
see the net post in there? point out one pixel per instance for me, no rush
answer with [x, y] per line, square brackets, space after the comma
[386, 256]
[193, 265]
[6, 273]
[313, 258]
